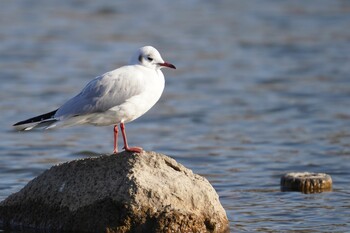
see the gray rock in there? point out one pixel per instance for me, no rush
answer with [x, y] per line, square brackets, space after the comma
[147, 192]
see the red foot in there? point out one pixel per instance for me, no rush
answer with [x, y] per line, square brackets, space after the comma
[126, 147]
[134, 149]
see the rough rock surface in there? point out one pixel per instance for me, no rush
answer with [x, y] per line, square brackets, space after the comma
[306, 182]
[147, 192]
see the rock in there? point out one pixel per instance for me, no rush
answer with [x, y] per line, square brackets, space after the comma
[147, 192]
[306, 182]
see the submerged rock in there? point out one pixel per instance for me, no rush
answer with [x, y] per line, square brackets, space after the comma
[306, 182]
[147, 192]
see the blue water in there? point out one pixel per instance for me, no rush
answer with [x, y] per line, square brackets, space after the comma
[262, 88]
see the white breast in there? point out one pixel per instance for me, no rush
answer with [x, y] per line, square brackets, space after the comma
[152, 83]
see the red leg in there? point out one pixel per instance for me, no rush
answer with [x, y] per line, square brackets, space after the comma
[126, 146]
[115, 129]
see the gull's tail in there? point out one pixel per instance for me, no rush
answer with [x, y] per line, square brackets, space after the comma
[42, 121]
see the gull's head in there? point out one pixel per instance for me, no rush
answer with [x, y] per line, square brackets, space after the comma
[149, 57]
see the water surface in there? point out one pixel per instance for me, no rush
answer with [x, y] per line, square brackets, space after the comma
[262, 88]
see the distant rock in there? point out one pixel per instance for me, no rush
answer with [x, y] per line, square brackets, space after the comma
[306, 182]
[147, 192]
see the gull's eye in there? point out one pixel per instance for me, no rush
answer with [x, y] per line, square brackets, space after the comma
[149, 58]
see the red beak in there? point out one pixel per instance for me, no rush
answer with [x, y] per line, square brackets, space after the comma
[166, 64]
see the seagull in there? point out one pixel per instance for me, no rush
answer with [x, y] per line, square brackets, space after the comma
[114, 98]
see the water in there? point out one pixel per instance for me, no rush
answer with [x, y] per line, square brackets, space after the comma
[262, 88]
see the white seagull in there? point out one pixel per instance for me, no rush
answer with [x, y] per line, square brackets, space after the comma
[116, 97]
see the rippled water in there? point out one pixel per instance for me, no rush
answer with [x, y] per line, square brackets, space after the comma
[262, 88]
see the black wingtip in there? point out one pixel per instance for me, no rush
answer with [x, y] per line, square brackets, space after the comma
[37, 118]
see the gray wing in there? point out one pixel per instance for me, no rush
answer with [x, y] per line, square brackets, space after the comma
[103, 93]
